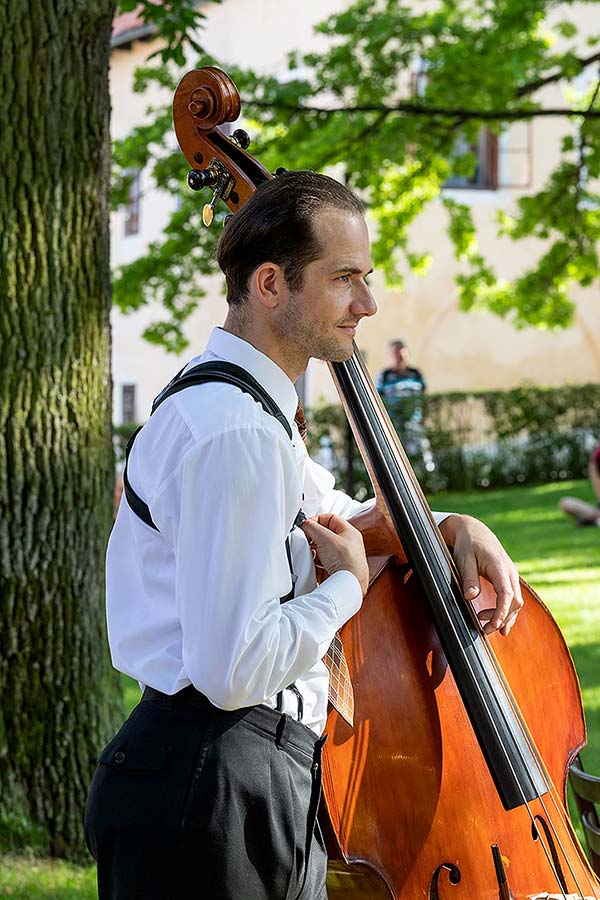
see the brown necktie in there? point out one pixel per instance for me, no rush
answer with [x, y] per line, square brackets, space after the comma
[341, 694]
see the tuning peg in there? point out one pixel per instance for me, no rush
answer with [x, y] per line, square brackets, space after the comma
[198, 179]
[241, 138]
[218, 176]
[208, 210]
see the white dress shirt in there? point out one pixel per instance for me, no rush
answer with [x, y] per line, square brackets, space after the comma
[197, 602]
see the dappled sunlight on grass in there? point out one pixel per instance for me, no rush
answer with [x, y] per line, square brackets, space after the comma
[29, 878]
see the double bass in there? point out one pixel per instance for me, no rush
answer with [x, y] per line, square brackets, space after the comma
[452, 783]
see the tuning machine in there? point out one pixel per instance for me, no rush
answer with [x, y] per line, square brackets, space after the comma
[217, 176]
[241, 138]
[201, 178]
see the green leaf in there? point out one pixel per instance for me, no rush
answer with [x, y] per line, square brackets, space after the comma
[566, 29]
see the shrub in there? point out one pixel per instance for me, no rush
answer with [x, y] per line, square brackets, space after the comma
[479, 439]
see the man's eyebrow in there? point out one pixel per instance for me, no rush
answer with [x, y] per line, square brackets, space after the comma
[351, 270]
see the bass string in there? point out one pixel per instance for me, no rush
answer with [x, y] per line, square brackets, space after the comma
[391, 447]
[541, 770]
[535, 754]
[539, 763]
[537, 759]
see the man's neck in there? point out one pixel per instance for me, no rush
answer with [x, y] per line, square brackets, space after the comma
[256, 337]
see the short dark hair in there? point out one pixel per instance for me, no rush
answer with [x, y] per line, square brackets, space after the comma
[276, 225]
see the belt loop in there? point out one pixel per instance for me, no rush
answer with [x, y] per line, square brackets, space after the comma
[282, 732]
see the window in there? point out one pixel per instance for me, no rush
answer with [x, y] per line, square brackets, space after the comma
[128, 404]
[515, 166]
[485, 148]
[132, 207]
[485, 176]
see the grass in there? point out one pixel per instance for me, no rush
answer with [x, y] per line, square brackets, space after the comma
[27, 877]
[561, 562]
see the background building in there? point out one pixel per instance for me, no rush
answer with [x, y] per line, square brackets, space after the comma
[456, 351]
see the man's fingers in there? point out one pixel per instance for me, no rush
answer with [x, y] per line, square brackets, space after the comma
[339, 546]
[504, 599]
[312, 528]
[485, 617]
[518, 601]
[477, 551]
[505, 581]
[470, 577]
[325, 522]
[510, 621]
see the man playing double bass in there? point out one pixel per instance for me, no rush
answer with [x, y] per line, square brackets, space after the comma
[210, 789]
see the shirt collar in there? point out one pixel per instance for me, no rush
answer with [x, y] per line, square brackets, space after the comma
[234, 349]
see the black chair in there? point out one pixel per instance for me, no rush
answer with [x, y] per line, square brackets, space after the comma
[586, 789]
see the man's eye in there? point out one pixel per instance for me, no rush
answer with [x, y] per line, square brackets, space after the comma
[343, 278]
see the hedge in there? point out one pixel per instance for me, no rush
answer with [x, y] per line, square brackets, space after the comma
[478, 439]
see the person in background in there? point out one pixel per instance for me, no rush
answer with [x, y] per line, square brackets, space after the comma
[402, 388]
[586, 513]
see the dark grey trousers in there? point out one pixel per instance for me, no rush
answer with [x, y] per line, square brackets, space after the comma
[194, 803]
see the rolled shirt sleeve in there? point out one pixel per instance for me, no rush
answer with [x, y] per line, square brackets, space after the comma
[319, 483]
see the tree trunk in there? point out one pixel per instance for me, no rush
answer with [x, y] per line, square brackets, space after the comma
[56, 462]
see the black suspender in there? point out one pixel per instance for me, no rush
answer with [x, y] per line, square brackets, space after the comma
[200, 374]
[240, 378]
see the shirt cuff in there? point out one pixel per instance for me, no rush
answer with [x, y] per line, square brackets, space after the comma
[440, 516]
[344, 590]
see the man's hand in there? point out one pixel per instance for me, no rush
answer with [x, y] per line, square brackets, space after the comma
[477, 551]
[339, 546]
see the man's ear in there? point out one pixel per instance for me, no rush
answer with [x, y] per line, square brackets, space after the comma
[268, 284]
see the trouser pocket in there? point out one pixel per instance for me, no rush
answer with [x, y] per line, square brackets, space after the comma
[313, 809]
[250, 816]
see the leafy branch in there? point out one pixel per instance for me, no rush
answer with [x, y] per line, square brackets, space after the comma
[397, 98]
[414, 109]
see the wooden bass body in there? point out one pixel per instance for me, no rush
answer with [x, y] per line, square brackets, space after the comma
[414, 809]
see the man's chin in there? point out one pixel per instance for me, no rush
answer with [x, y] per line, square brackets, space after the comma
[335, 354]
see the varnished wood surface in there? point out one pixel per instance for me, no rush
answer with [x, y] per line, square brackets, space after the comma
[408, 789]
[197, 136]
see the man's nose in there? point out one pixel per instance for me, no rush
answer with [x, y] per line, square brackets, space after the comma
[363, 302]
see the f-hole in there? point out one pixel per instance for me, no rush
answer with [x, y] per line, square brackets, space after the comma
[552, 847]
[454, 877]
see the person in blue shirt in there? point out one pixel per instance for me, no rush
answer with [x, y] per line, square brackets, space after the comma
[402, 388]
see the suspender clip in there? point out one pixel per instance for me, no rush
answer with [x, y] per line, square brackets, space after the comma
[300, 518]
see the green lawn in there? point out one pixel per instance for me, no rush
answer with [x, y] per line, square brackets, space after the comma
[560, 561]
[28, 878]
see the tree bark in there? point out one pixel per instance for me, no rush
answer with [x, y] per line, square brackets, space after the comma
[56, 461]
